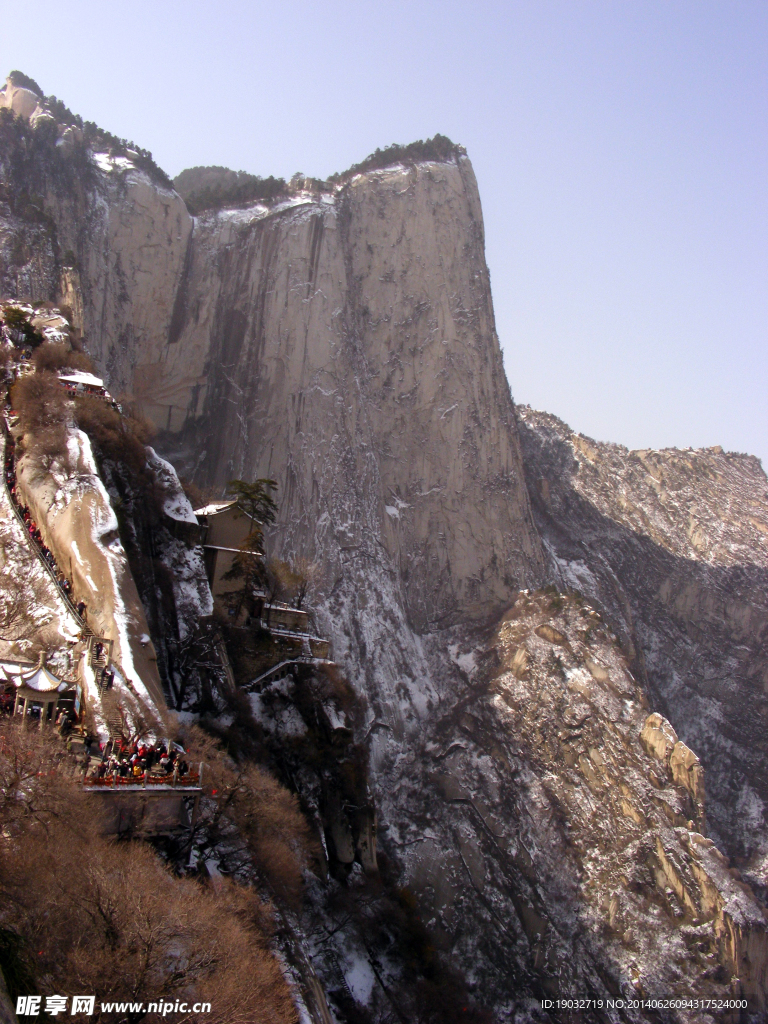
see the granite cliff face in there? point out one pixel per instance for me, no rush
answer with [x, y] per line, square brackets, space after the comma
[345, 345]
[562, 833]
[93, 232]
[342, 343]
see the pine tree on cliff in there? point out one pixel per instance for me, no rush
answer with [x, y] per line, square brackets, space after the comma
[255, 501]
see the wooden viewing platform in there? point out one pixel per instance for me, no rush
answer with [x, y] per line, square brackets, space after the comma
[152, 804]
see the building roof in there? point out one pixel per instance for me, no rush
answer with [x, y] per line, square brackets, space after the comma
[80, 377]
[41, 680]
[12, 669]
[214, 508]
[7, 675]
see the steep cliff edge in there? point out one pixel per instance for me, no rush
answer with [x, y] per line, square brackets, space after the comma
[79, 525]
[673, 545]
[345, 345]
[556, 839]
[94, 232]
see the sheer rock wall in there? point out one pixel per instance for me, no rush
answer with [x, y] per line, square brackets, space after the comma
[345, 345]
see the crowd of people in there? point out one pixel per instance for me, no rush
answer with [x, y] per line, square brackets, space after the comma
[130, 762]
[34, 530]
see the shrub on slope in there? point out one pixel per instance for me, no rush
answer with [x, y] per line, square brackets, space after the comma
[44, 414]
[58, 356]
[83, 913]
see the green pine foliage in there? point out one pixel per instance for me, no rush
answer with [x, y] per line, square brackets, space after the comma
[255, 500]
[22, 81]
[32, 166]
[217, 188]
[205, 189]
[439, 148]
[22, 331]
[97, 139]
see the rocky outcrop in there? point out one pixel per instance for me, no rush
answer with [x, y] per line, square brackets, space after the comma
[102, 238]
[79, 525]
[23, 102]
[673, 546]
[660, 740]
[658, 737]
[552, 844]
[343, 343]
[687, 772]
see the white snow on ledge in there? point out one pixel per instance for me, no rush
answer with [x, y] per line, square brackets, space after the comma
[466, 662]
[176, 505]
[112, 163]
[393, 511]
[259, 211]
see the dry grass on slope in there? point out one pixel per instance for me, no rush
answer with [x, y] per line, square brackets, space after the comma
[121, 439]
[267, 816]
[54, 356]
[44, 414]
[82, 913]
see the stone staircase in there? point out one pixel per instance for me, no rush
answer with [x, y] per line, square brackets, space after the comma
[98, 653]
[110, 707]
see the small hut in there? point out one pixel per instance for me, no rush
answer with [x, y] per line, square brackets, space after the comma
[81, 383]
[38, 688]
[223, 528]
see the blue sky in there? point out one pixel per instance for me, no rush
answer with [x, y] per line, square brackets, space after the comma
[621, 150]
